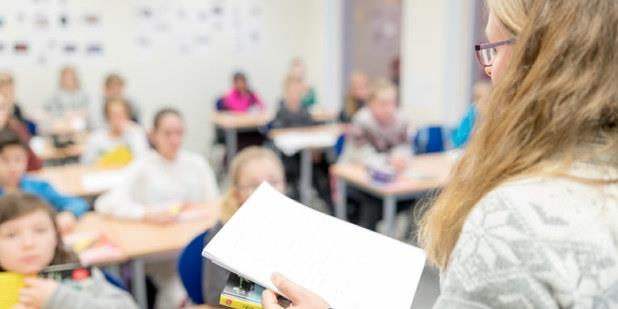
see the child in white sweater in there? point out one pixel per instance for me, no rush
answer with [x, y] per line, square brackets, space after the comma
[158, 183]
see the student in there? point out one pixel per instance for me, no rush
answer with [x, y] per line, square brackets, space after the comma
[69, 102]
[242, 98]
[291, 114]
[528, 219]
[30, 242]
[156, 186]
[461, 134]
[119, 143]
[13, 177]
[248, 170]
[114, 88]
[297, 71]
[357, 96]
[379, 139]
[7, 90]
[9, 122]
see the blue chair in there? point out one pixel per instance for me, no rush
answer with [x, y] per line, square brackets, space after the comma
[190, 268]
[339, 146]
[115, 281]
[220, 104]
[429, 140]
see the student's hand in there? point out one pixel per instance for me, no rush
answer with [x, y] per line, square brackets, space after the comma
[300, 297]
[160, 216]
[399, 161]
[66, 222]
[37, 292]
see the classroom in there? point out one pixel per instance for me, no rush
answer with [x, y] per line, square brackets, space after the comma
[310, 154]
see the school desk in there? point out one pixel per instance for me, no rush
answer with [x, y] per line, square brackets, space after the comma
[46, 151]
[426, 173]
[232, 123]
[306, 151]
[69, 179]
[141, 242]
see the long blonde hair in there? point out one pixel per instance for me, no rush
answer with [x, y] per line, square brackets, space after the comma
[231, 203]
[557, 103]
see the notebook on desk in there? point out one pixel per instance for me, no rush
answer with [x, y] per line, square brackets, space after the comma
[350, 267]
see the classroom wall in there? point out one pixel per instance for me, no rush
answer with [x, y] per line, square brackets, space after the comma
[309, 29]
[438, 59]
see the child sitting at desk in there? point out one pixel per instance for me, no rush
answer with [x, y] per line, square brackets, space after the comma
[13, 161]
[119, 143]
[68, 108]
[29, 242]
[248, 170]
[242, 98]
[12, 117]
[357, 96]
[378, 139]
[155, 190]
[291, 114]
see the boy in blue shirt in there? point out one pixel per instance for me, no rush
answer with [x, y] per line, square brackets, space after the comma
[13, 177]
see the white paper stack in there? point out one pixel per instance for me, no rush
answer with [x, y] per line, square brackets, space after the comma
[348, 266]
[291, 143]
[103, 181]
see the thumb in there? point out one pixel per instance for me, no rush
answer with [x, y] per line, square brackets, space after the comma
[294, 292]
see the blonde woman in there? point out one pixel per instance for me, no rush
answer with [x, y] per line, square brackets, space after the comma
[248, 170]
[530, 217]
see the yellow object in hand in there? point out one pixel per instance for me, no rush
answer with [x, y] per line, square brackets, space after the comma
[11, 284]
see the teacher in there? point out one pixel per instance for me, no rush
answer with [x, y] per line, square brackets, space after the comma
[530, 216]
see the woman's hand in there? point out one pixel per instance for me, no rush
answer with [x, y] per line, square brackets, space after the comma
[300, 297]
[37, 292]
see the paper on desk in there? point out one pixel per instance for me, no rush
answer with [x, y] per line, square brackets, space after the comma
[350, 267]
[291, 143]
[102, 181]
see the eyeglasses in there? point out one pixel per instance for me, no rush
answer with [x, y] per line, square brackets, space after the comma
[486, 52]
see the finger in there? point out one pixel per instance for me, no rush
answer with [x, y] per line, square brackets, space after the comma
[32, 281]
[269, 300]
[289, 289]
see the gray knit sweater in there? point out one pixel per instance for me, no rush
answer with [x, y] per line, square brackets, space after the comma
[538, 243]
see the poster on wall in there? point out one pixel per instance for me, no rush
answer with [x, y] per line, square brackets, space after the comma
[191, 28]
[49, 32]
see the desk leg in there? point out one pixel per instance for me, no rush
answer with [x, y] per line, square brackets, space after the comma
[139, 283]
[231, 140]
[306, 174]
[389, 213]
[341, 199]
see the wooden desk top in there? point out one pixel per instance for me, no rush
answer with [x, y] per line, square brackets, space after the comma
[67, 179]
[138, 239]
[438, 166]
[47, 152]
[327, 128]
[229, 120]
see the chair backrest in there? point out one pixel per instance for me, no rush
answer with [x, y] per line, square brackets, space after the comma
[115, 281]
[220, 104]
[429, 140]
[339, 146]
[190, 268]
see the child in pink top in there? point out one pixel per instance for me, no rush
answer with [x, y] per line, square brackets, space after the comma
[241, 98]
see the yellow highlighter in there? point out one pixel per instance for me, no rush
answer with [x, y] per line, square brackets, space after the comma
[11, 284]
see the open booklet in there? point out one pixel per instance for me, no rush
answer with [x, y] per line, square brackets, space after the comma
[350, 267]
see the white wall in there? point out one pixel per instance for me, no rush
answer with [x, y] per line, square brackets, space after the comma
[437, 59]
[309, 29]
